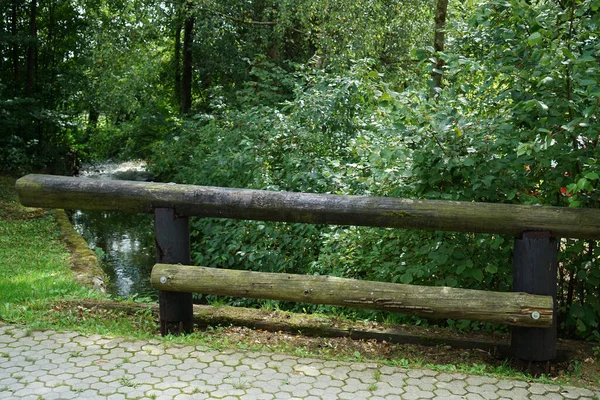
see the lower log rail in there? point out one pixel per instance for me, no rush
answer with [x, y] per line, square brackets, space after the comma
[510, 308]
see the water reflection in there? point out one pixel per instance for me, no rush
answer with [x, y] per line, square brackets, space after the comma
[124, 242]
[124, 171]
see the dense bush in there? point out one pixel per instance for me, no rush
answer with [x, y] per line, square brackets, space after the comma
[516, 123]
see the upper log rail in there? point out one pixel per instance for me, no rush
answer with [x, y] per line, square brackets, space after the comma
[48, 191]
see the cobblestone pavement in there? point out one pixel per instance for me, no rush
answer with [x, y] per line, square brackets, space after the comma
[50, 365]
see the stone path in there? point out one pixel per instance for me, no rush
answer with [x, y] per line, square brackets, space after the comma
[49, 365]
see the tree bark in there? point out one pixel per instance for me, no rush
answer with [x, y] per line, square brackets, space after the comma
[186, 78]
[15, 44]
[435, 302]
[93, 118]
[205, 201]
[31, 51]
[177, 61]
[438, 43]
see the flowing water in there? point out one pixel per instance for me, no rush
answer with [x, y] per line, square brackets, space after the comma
[124, 242]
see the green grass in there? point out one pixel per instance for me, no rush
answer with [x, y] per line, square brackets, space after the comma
[35, 276]
[33, 266]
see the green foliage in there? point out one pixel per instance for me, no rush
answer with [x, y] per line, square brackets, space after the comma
[328, 97]
[518, 122]
[514, 123]
[37, 77]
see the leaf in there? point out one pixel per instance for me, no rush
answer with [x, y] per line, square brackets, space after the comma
[543, 105]
[385, 97]
[488, 180]
[534, 39]
[586, 58]
[459, 132]
[492, 269]
[477, 274]
[439, 257]
[591, 176]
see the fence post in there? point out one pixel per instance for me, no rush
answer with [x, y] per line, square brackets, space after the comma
[172, 235]
[534, 272]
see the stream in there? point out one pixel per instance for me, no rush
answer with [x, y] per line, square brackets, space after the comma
[123, 242]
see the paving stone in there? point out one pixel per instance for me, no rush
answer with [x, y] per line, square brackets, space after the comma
[487, 391]
[549, 396]
[417, 394]
[474, 396]
[456, 387]
[67, 366]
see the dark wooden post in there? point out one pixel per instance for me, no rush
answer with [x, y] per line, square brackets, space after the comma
[535, 273]
[172, 235]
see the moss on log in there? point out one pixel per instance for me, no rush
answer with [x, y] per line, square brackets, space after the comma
[517, 309]
[187, 200]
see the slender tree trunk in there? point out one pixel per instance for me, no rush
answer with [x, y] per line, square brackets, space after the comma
[31, 51]
[438, 43]
[49, 63]
[178, 93]
[186, 78]
[15, 45]
[570, 289]
[93, 118]
[4, 32]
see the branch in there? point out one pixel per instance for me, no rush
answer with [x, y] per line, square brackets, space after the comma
[245, 21]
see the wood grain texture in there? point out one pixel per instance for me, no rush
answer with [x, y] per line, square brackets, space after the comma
[437, 302]
[49, 191]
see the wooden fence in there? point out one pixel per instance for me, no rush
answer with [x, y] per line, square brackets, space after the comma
[530, 308]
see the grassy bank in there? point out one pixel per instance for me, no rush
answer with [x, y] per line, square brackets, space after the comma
[33, 266]
[35, 275]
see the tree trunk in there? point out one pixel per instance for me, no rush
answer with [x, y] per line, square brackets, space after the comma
[186, 79]
[31, 51]
[15, 45]
[177, 81]
[49, 60]
[517, 309]
[438, 43]
[93, 118]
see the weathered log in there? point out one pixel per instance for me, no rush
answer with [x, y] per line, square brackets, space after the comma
[436, 302]
[143, 197]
